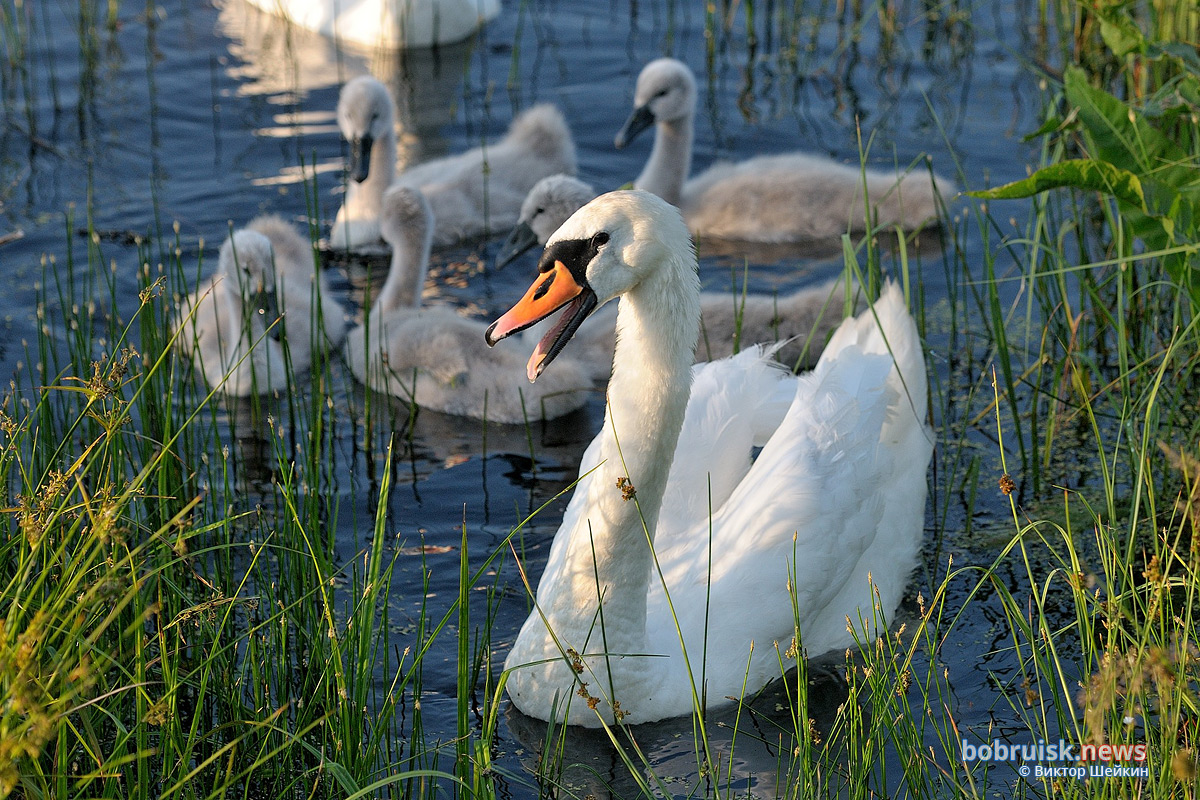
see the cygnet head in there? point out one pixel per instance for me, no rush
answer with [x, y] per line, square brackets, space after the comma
[609, 247]
[247, 259]
[666, 92]
[406, 223]
[248, 264]
[549, 204]
[365, 113]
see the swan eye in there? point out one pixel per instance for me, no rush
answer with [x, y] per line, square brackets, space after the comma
[599, 239]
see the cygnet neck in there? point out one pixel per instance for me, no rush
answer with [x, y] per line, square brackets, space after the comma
[406, 273]
[670, 159]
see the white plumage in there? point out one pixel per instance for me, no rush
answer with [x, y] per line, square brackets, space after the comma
[471, 193]
[387, 23]
[266, 271]
[433, 357]
[836, 494]
[770, 198]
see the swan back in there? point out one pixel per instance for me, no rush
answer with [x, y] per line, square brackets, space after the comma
[482, 189]
[387, 23]
[542, 132]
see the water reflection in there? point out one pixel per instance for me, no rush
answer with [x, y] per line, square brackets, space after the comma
[288, 63]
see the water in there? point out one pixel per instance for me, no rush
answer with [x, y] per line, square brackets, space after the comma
[205, 115]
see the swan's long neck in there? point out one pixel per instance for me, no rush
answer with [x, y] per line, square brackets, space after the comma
[657, 327]
[670, 160]
[406, 275]
[366, 198]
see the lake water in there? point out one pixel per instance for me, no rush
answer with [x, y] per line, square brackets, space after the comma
[204, 114]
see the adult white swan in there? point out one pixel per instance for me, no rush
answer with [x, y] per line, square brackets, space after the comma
[471, 193]
[770, 198]
[387, 23]
[434, 358]
[256, 323]
[836, 494]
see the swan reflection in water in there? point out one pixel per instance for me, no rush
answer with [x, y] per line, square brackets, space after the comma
[275, 58]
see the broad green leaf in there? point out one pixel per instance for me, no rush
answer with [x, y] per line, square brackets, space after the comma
[1123, 137]
[1081, 173]
[1186, 54]
[1120, 33]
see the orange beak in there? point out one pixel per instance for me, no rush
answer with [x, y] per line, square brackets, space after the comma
[553, 289]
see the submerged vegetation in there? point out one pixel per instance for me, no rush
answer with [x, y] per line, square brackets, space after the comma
[176, 619]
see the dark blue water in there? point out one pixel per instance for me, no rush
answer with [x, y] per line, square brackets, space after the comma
[201, 115]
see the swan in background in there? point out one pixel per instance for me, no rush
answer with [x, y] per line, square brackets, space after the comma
[271, 57]
[265, 272]
[470, 193]
[836, 494]
[387, 23]
[434, 358]
[801, 320]
[770, 198]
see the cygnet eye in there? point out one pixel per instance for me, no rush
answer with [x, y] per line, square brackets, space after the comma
[538, 210]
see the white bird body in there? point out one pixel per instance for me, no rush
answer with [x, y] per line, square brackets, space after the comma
[434, 358]
[835, 497]
[788, 197]
[225, 326]
[471, 193]
[390, 24]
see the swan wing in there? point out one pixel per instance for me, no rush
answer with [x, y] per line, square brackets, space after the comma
[734, 406]
[837, 493]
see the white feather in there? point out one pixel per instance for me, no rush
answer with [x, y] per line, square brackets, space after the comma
[387, 23]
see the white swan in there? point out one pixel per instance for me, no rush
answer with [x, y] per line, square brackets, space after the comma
[434, 358]
[266, 272]
[471, 193]
[836, 494]
[771, 198]
[802, 320]
[387, 23]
